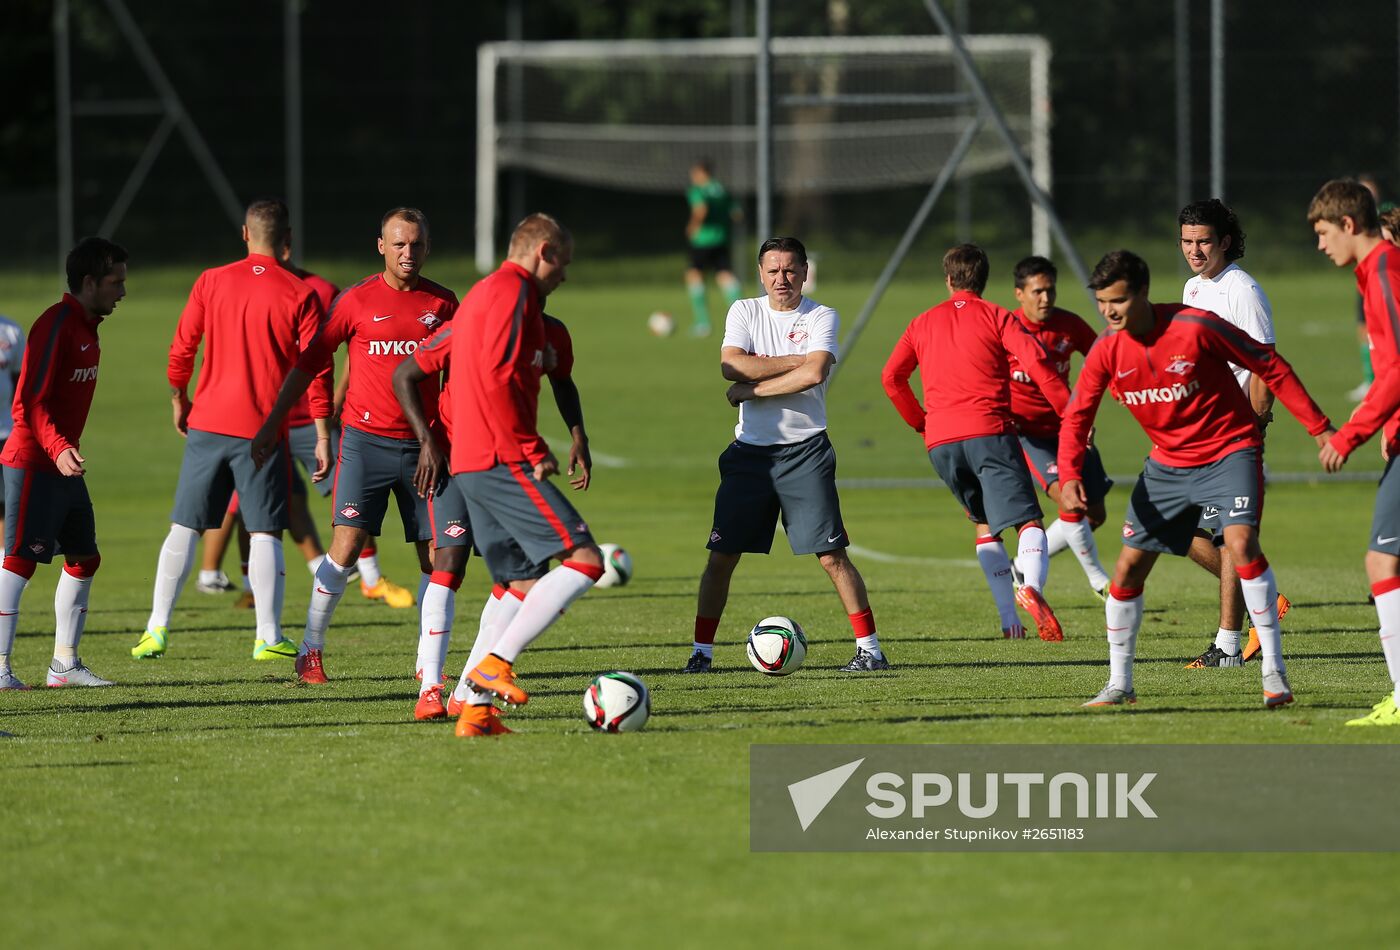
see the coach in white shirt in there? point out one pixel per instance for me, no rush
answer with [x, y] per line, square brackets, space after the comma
[1212, 241]
[779, 349]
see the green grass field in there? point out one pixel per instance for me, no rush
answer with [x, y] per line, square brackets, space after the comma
[208, 801]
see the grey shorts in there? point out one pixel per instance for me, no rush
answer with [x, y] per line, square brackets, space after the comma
[988, 477]
[518, 521]
[513, 565]
[46, 513]
[302, 440]
[1167, 503]
[758, 483]
[1042, 461]
[368, 469]
[214, 466]
[448, 518]
[1385, 523]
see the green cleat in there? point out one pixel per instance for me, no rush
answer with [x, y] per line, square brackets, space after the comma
[151, 645]
[1383, 713]
[281, 650]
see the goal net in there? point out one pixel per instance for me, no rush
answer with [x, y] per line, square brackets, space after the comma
[848, 114]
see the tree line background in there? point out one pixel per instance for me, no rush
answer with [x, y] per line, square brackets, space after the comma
[389, 116]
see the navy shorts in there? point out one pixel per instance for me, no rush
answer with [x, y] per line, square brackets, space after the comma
[448, 518]
[1385, 523]
[512, 515]
[1042, 461]
[369, 468]
[758, 483]
[302, 441]
[988, 477]
[1167, 502]
[214, 466]
[46, 513]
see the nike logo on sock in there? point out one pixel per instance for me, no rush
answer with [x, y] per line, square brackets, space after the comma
[1118, 629]
[436, 633]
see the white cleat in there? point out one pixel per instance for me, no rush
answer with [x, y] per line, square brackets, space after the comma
[11, 681]
[1112, 695]
[1277, 692]
[77, 675]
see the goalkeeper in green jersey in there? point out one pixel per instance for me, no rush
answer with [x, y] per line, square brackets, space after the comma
[709, 230]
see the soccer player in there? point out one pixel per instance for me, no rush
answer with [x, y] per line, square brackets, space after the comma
[1212, 242]
[452, 527]
[1343, 215]
[499, 462]
[708, 231]
[47, 508]
[11, 359]
[963, 349]
[382, 319]
[1169, 364]
[254, 318]
[778, 350]
[1060, 334]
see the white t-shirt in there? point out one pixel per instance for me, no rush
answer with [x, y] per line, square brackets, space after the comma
[1234, 296]
[756, 328]
[11, 359]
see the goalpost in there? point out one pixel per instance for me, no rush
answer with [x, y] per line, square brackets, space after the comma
[849, 114]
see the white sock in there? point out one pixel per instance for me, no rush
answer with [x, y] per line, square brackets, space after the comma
[496, 615]
[172, 569]
[267, 573]
[1031, 558]
[1056, 538]
[208, 577]
[1228, 640]
[247, 587]
[423, 581]
[315, 563]
[1123, 618]
[996, 567]
[1080, 535]
[11, 587]
[871, 645]
[544, 604]
[1261, 597]
[1387, 610]
[434, 634]
[369, 569]
[709, 649]
[70, 607]
[326, 592]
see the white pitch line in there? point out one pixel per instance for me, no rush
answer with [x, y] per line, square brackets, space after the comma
[600, 459]
[887, 558]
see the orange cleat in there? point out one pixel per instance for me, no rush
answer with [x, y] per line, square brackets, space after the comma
[479, 721]
[495, 675]
[1030, 600]
[455, 705]
[1251, 649]
[309, 668]
[430, 705]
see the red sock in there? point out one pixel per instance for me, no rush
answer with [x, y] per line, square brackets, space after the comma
[863, 623]
[705, 628]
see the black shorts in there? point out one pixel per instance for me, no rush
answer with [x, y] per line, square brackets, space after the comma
[988, 477]
[1167, 503]
[45, 513]
[710, 258]
[369, 468]
[214, 465]
[757, 483]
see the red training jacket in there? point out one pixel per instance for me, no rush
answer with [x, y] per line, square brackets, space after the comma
[1061, 334]
[1179, 386]
[1378, 280]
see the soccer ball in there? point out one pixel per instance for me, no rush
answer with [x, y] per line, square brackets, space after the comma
[617, 566]
[617, 702]
[777, 646]
[661, 323]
